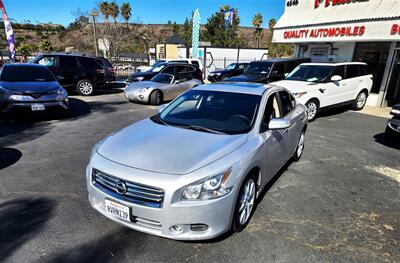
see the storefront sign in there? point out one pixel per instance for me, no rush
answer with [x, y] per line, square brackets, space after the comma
[395, 29]
[325, 32]
[336, 2]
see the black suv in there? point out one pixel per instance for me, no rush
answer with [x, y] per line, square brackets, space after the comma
[187, 71]
[266, 71]
[82, 73]
[231, 70]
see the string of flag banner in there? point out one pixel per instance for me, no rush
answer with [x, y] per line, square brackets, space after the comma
[9, 33]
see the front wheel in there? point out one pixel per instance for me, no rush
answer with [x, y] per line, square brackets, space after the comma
[245, 204]
[155, 98]
[299, 148]
[85, 88]
[360, 101]
[312, 109]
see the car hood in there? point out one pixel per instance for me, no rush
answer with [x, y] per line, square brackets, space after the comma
[248, 78]
[297, 86]
[165, 149]
[144, 84]
[30, 87]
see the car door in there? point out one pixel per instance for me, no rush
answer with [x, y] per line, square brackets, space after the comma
[332, 92]
[274, 147]
[183, 76]
[67, 68]
[354, 80]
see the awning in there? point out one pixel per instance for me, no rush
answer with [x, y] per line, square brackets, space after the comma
[305, 13]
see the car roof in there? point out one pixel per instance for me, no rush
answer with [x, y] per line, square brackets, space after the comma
[70, 55]
[277, 60]
[236, 87]
[334, 64]
[24, 65]
[180, 64]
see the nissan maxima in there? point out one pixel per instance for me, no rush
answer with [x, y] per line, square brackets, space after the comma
[195, 169]
[32, 88]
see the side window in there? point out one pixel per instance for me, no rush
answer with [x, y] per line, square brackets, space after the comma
[66, 61]
[180, 69]
[170, 69]
[48, 61]
[89, 63]
[287, 102]
[279, 69]
[352, 71]
[242, 66]
[195, 62]
[291, 66]
[272, 110]
[363, 70]
[338, 71]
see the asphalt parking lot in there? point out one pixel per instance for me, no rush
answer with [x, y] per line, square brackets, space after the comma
[340, 203]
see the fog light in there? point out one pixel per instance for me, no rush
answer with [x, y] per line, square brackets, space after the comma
[176, 229]
[198, 227]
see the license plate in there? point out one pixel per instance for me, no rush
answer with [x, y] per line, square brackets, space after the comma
[117, 210]
[37, 107]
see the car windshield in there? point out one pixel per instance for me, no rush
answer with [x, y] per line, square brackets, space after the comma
[162, 78]
[26, 74]
[310, 73]
[158, 67]
[231, 66]
[258, 68]
[211, 111]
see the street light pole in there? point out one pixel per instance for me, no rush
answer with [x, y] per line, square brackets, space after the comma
[94, 14]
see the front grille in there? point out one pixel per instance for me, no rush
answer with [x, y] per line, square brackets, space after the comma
[135, 193]
[147, 223]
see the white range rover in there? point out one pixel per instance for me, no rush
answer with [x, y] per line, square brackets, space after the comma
[321, 85]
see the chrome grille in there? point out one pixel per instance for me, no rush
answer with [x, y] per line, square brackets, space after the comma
[135, 193]
[147, 223]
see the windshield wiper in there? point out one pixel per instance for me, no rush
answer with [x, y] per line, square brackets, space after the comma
[200, 128]
[157, 119]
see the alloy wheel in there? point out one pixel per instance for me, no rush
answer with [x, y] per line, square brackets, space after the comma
[247, 200]
[300, 145]
[86, 88]
[361, 100]
[312, 110]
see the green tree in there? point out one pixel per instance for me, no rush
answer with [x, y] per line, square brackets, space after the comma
[176, 29]
[46, 46]
[187, 30]
[126, 12]
[271, 24]
[24, 49]
[216, 32]
[114, 11]
[105, 9]
[257, 22]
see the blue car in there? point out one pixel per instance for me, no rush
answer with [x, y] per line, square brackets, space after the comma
[32, 88]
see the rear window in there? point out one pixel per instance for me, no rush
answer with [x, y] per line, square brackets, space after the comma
[352, 71]
[89, 63]
[26, 74]
[67, 61]
[194, 62]
[104, 62]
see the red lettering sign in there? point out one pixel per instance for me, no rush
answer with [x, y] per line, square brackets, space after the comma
[335, 2]
[355, 31]
[395, 29]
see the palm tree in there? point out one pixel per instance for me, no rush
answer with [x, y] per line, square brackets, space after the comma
[271, 24]
[257, 22]
[114, 11]
[126, 12]
[105, 9]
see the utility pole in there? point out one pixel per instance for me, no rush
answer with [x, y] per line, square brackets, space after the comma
[94, 14]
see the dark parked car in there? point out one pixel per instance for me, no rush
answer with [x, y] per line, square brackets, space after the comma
[82, 73]
[266, 71]
[108, 67]
[30, 87]
[180, 70]
[392, 133]
[231, 70]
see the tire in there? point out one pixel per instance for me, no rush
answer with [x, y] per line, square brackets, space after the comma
[156, 98]
[245, 204]
[312, 109]
[360, 101]
[299, 148]
[85, 88]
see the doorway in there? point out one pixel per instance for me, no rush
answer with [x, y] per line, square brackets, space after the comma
[393, 91]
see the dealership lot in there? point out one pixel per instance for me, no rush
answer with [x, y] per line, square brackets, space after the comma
[340, 203]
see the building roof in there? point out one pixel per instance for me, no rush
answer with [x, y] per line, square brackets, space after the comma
[306, 14]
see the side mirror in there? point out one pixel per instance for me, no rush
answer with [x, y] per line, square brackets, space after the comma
[336, 78]
[162, 107]
[278, 124]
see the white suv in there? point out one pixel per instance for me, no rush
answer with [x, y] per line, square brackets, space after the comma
[320, 85]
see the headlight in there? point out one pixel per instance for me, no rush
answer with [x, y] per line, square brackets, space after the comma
[139, 78]
[143, 90]
[299, 95]
[212, 188]
[59, 91]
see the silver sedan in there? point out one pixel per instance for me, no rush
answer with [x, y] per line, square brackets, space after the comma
[162, 87]
[195, 170]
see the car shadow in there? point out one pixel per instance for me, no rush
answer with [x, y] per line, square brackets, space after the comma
[333, 111]
[21, 220]
[8, 157]
[381, 139]
[108, 248]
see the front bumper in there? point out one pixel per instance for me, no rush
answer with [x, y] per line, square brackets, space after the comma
[136, 96]
[22, 102]
[216, 214]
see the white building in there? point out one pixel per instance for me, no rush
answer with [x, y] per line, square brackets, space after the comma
[348, 30]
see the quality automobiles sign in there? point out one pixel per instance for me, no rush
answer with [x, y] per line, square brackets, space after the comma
[336, 2]
[325, 32]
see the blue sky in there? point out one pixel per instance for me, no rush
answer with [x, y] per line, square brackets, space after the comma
[145, 11]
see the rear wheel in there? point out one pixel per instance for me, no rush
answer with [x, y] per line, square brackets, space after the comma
[85, 88]
[312, 109]
[155, 98]
[299, 148]
[245, 203]
[360, 101]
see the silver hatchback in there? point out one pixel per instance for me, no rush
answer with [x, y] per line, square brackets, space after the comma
[194, 170]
